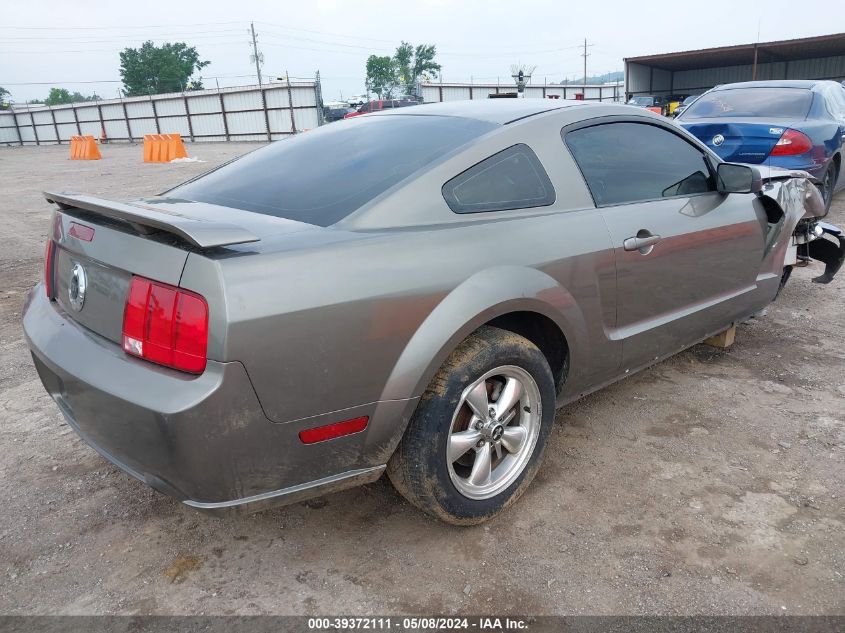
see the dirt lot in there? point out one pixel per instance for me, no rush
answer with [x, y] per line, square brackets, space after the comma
[711, 483]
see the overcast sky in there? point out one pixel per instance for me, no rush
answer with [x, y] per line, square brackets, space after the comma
[65, 43]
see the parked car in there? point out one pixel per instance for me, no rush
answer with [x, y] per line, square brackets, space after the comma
[357, 100]
[336, 114]
[381, 104]
[791, 124]
[687, 102]
[302, 319]
[654, 103]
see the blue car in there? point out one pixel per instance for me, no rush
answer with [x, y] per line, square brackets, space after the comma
[790, 124]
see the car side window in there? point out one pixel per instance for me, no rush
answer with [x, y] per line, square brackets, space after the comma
[511, 179]
[630, 162]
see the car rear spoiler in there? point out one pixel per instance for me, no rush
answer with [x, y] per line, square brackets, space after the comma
[146, 219]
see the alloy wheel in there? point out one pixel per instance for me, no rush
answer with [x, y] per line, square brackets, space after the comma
[494, 431]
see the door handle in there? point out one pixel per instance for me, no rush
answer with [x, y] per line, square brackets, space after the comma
[643, 244]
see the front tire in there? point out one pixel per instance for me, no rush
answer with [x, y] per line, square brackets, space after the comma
[478, 434]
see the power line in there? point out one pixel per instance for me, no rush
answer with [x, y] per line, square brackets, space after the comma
[114, 81]
[117, 37]
[94, 50]
[306, 39]
[101, 28]
[352, 37]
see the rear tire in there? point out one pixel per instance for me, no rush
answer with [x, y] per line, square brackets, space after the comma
[828, 185]
[463, 464]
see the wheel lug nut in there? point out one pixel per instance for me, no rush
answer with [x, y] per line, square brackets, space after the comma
[492, 412]
[480, 443]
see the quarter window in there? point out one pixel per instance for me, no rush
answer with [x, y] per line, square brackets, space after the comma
[511, 179]
[629, 162]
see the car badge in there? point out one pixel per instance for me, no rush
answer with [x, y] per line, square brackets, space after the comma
[718, 140]
[776, 130]
[77, 287]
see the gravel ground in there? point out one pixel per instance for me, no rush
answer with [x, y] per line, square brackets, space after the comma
[711, 483]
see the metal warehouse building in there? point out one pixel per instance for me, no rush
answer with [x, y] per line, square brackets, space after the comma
[693, 72]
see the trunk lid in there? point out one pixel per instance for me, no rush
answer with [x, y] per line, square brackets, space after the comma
[737, 141]
[100, 245]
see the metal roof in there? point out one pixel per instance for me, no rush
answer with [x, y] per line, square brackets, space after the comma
[804, 48]
[500, 111]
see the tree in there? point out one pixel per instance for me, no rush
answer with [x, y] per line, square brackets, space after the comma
[153, 69]
[424, 64]
[404, 60]
[404, 69]
[59, 96]
[382, 75]
[4, 98]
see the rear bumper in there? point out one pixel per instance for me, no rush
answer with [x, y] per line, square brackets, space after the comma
[202, 439]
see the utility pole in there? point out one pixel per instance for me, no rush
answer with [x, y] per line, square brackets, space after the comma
[585, 55]
[257, 56]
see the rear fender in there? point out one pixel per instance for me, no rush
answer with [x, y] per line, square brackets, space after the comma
[484, 296]
[487, 294]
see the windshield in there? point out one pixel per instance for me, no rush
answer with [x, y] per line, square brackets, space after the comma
[323, 175]
[792, 103]
[689, 100]
[641, 101]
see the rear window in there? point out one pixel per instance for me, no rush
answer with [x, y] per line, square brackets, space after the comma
[323, 175]
[793, 103]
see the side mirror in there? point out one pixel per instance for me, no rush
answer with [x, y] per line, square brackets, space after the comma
[733, 178]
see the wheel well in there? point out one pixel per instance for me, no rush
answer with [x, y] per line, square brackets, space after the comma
[774, 213]
[545, 334]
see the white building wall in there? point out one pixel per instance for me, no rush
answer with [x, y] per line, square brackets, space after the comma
[195, 115]
[435, 92]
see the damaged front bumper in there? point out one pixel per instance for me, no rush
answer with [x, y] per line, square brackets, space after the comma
[796, 195]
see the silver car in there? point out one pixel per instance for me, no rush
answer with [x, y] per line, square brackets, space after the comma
[412, 292]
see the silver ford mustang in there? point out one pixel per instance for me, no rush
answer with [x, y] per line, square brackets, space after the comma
[412, 292]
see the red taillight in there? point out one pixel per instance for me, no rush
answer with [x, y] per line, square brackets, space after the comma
[166, 325]
[792, 143]
[48, 267]
[331, 431]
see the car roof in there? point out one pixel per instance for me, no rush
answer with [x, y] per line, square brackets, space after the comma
[806, 84]
[500, 111]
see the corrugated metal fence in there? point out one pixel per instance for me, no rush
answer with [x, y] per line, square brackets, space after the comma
[434, 92]
[243, 113]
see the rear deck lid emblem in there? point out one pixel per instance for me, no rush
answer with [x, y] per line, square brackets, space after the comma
[718, 140]
[77, 286]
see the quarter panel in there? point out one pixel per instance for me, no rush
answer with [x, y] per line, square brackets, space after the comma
[323, 329]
